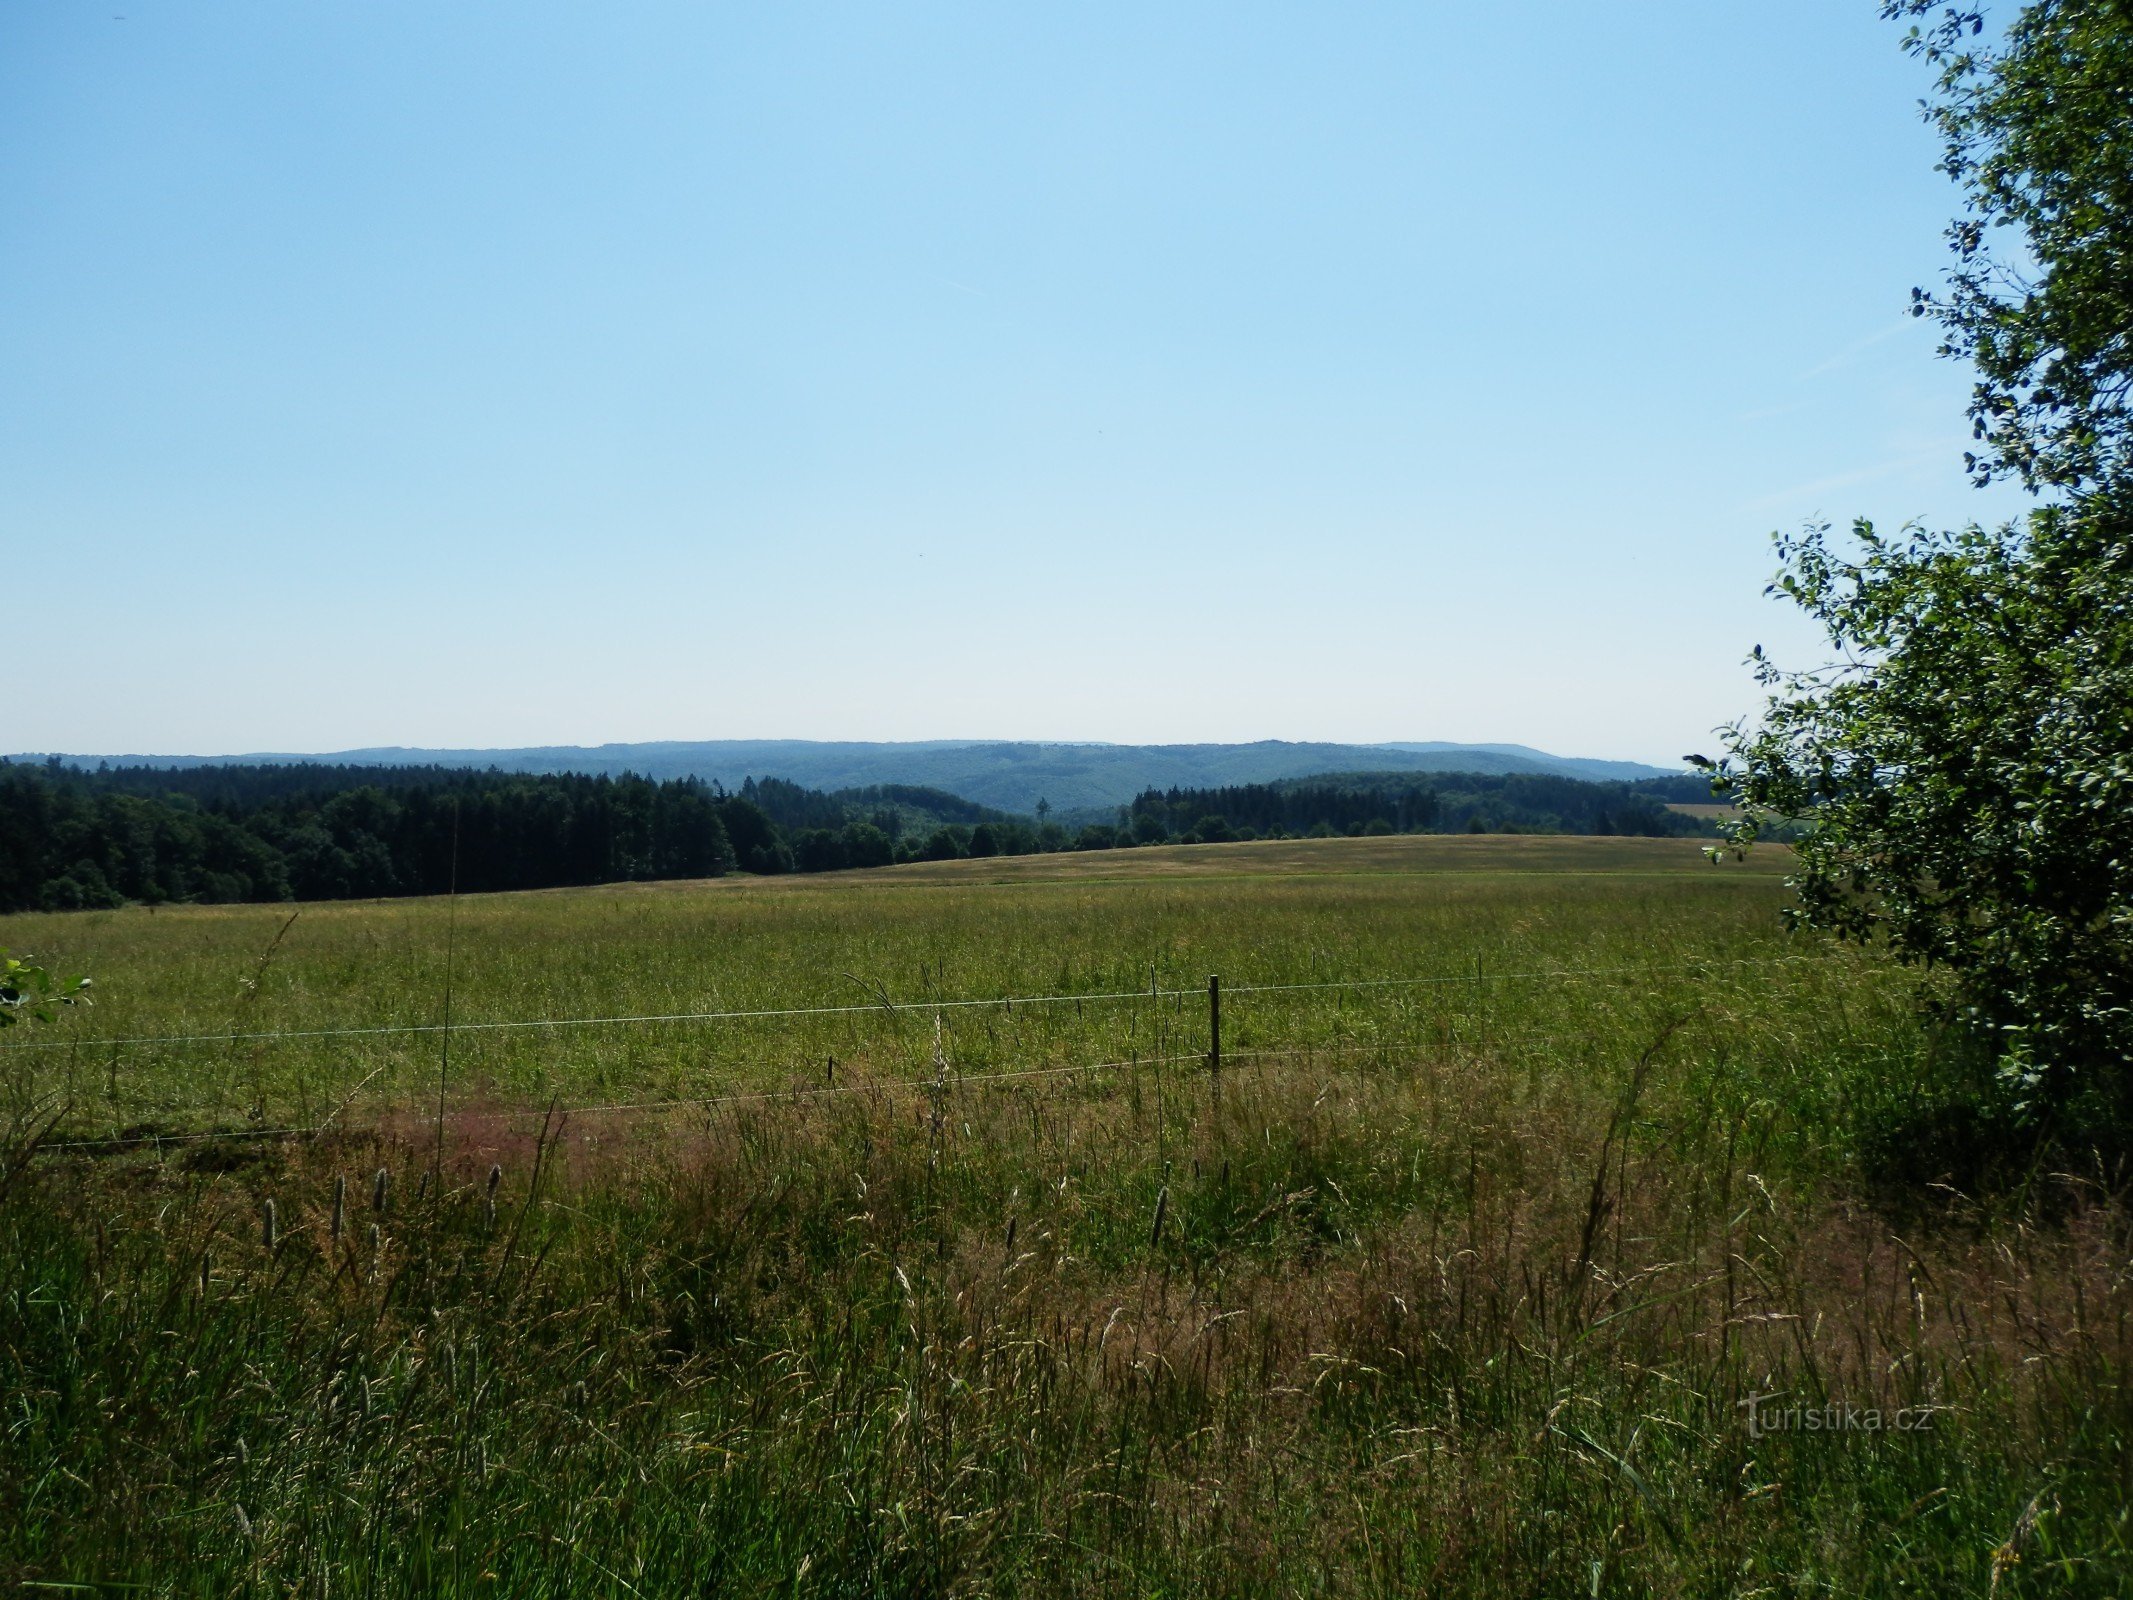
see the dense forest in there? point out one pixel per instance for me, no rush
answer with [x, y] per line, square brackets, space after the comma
[71, 839]
[1397, 802]
[74, 839]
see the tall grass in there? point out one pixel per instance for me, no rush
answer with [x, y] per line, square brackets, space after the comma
[1668, 930]
[1471, 1309]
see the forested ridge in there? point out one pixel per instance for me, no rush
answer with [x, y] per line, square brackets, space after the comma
[1006, 775]
[73, 839]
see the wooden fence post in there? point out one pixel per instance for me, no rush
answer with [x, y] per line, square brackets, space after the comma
[1214, 1034]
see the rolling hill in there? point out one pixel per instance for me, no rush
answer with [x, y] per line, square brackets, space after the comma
[1007, 775]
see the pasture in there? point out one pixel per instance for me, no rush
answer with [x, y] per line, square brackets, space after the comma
[221, 1017]
[887, 1233]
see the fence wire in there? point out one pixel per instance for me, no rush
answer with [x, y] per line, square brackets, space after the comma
[800, 1093]
[1153, 992]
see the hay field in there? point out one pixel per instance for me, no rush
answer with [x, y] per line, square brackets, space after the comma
[1648, 924]
[1534, 1213]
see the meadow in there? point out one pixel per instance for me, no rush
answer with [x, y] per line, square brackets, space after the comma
[1556, 1224]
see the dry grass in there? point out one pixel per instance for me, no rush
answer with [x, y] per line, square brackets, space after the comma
[1397, 855]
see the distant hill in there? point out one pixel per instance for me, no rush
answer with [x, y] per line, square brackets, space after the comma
[1541, 761]
[1008, 776]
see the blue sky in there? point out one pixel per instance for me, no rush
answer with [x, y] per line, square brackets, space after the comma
[483, 374]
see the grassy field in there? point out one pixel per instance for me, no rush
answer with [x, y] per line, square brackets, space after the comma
[1464, 1278]
[1647, 926]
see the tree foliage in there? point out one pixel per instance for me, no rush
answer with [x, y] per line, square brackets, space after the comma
[1965, 767]
[30, 992]
[2037, 129]
[1968, 766]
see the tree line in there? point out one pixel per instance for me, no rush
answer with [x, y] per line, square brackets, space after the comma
[72, 839]
[1384, 803]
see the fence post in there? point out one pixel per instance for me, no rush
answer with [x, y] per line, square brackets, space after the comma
[1214, 1034]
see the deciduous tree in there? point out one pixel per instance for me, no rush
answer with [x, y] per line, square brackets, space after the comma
[1965, 763]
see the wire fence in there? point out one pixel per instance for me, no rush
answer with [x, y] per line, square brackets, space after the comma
[1153, 992]
[1213, 1057]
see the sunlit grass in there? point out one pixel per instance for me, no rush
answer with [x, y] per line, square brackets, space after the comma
[1454, 1287]
[1637, 925]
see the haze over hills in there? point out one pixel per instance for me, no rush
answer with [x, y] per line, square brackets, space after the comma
[1009, 775]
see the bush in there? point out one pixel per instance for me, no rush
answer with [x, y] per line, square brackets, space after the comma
[82, 887]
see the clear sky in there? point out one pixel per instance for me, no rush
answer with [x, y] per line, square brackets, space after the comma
[392, 371]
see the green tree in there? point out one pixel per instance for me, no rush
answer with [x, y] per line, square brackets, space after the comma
[753, 839]
[1212, 829]
[1964, 769]
[1968, 771]
[867, 846]
[946, 844]
[2038, 131]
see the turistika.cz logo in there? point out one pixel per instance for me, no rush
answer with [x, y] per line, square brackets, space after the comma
[1765, 1415]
